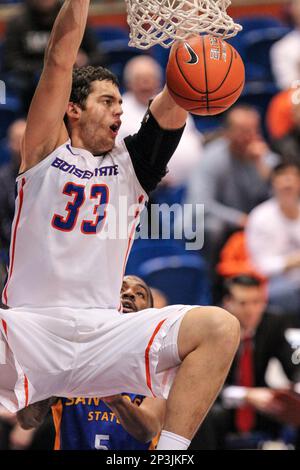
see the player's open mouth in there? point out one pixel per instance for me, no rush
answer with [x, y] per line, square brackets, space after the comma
[115, 128]
[128, 306]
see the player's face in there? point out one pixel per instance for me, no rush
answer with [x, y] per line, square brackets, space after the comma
[247, 304]
[134, 295]
[100, 120]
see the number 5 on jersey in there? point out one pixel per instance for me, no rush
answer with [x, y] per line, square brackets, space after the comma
[100, 440]
[67, 223]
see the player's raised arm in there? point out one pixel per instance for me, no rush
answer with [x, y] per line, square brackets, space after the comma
[45, 128]
[154, 144]
[164, 109]
[166, 112]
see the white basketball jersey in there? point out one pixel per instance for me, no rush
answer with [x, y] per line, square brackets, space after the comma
[74, 224]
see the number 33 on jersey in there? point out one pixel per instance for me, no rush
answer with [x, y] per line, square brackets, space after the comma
[72, 198]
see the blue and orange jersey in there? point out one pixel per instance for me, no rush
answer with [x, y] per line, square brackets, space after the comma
[89, 424]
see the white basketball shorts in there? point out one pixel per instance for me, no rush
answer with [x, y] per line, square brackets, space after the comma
[93, 352]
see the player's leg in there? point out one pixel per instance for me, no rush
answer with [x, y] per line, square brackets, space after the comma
[207, 341]
[36, 350]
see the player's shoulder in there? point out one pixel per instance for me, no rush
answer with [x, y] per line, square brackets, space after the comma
[119, 147]
[119, 153]
[62, 151]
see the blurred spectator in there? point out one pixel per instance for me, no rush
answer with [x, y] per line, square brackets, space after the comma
[231, 178]
[283, 120]
[273, 236]
[235, 258]
[143, 78]
[20, 439]
[247, 410]
[8, 174]
[13, 437]
[279, 117]
[26, 39]
[284, 54]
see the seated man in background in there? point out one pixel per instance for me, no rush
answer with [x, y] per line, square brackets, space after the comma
[119, 422]
[247, 407]
[283, 123]
[231, 178]
[273, 237]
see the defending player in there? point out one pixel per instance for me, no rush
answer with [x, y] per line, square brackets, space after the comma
[120, 422]
[63, 333]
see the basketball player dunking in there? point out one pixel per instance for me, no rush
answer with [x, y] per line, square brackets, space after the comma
[73, 177]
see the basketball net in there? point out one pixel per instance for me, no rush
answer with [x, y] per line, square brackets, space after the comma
[164, 21]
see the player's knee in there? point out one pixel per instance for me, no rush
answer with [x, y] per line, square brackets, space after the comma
[226, 327]
[221, 325]
[213, 324]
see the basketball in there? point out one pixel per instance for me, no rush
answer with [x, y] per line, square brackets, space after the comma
[205, 75]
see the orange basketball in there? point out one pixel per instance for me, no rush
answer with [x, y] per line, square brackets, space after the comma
[205, 75]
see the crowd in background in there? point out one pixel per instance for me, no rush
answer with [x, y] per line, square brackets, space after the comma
[244, 168]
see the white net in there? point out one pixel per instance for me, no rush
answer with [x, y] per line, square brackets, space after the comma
[163, 21]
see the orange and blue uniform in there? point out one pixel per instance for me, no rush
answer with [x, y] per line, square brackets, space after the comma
[89, 424]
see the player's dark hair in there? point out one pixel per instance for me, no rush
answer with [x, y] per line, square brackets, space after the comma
[243, 280]
[82, 79]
